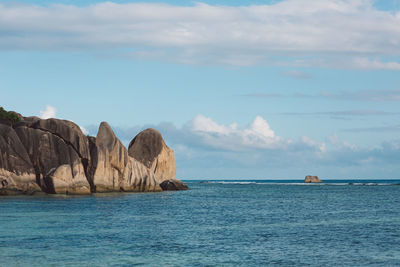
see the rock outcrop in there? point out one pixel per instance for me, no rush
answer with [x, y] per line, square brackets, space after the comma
[115, 170]
[173, 185]
[149, 148]
[59, 153]
[312, 179]
[17, 175]
[55, 157]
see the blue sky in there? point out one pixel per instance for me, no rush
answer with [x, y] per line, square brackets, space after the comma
[239, 89]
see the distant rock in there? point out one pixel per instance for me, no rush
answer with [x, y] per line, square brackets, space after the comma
[17, 175]
[312, 179]
[149, 148]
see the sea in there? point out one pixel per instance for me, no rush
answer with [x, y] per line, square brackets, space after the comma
[215, 223]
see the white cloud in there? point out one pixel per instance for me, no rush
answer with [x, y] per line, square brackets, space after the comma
[49, 112]
[331, 33]
[258, 135]
[203, 124]
[375, 64]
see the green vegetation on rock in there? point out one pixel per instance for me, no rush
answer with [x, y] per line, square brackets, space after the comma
[9, 115]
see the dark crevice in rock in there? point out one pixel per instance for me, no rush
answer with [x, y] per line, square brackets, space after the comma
[62, 138]
[48, 186]
[92, 164]
[87, 164]
[43, 178]
[155, 169]
[37, 173]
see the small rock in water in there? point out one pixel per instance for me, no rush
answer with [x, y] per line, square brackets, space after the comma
[312, 179]
[173, 185]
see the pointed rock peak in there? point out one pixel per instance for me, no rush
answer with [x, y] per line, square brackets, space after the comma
[146, 146]
[105, 135]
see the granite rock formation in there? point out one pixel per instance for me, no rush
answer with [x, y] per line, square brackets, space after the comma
[17, 175]
[115, 170]
[312, 179]
[149, 148]
[173, 185]
[55, 157]
[59, 153]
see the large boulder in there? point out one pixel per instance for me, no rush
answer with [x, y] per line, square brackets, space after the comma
[115, 170]
[17, 175]
[312, 179]
[149, 148]
[58, 151]
[173, 185]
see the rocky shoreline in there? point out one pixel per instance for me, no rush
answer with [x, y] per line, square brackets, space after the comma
[55, 157]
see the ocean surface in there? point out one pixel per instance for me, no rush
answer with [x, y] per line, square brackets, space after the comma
[219, 223]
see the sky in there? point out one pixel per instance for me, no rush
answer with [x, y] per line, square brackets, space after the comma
[239, 89]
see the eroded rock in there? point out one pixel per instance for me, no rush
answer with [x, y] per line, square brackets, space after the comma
[149, 148]
[17, 175]
[54, 156]
[115, 170]
[57, 163]
[112, 158]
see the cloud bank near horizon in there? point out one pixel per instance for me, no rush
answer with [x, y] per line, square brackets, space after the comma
[205, 148]
[300, 33]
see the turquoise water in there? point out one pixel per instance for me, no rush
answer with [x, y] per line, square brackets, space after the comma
[247, 223]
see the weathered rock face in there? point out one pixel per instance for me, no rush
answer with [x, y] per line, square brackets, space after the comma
[111, 157]
[17, 175]
[55, 148]
[55, 157]
[115, 170]
[312, 179]
[149, 148]
[139, 178]
[69, 132]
